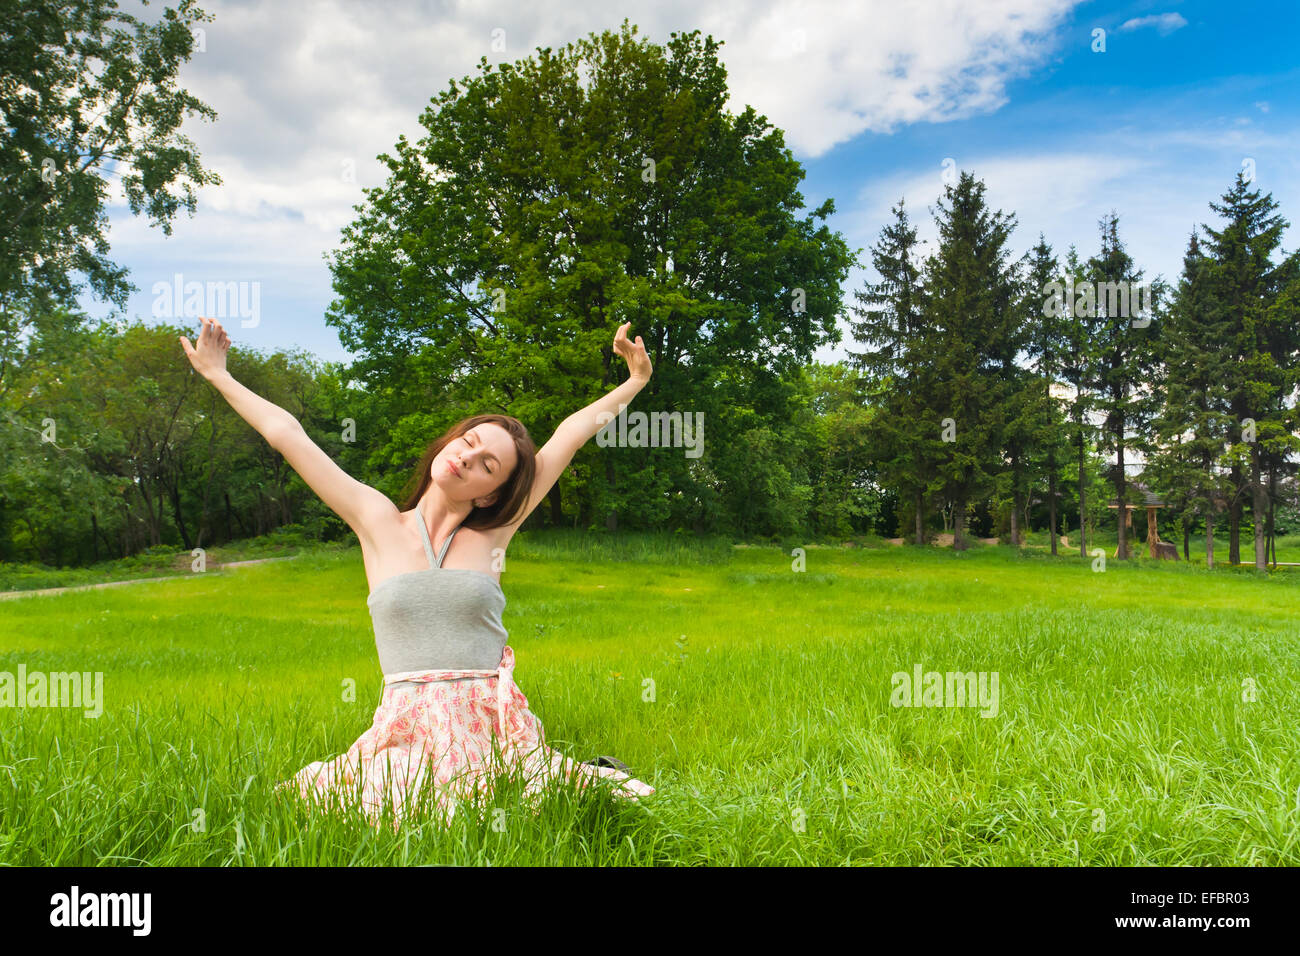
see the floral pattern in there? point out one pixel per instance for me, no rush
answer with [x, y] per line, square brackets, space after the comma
[448, 735]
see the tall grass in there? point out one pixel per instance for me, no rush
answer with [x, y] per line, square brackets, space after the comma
[1147, 713]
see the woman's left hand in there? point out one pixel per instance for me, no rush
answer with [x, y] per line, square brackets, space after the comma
[638, 362]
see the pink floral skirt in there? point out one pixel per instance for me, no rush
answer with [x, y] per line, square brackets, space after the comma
[445, 737]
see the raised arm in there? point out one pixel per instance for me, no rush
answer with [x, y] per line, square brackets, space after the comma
[356, 503]
[580, 427]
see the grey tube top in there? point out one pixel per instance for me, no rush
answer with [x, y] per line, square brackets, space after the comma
[438, 618]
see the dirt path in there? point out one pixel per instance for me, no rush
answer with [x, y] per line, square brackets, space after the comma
[4, 595]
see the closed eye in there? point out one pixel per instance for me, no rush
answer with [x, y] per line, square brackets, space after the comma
[485, 464]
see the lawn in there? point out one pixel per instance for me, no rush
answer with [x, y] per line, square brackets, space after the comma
[1145, 715]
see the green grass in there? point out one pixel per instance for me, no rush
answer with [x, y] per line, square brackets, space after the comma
[771, 738]
[161, 561]
[1288, 546]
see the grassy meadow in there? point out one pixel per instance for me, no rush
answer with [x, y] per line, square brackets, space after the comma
[1146, 714]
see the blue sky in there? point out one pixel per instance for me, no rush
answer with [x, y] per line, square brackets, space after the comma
[872, 98]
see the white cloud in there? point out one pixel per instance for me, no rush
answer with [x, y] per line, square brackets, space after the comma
[300, 89]
[1166, 23]
[825, 72]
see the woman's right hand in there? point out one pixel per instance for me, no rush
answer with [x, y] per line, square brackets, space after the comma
[209, 358]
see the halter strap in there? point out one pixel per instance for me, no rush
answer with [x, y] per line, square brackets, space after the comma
[428, 546]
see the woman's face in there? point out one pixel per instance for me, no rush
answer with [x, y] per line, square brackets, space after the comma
[474, 465]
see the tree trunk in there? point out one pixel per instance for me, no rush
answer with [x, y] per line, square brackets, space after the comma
[1234, 519]
[1051, 502]
[151, 524]
[1271, 545]
[239, 522]
[1083, 500]
[1187, 539]
[1209, 537]
[108, 545]
[179, 518]
[557, 511]
[920, 517]
[611, 520]
[959, 526]
[35, 539]
[1015, 519]
[1121, 552]
[1259, 505]
[205, 528]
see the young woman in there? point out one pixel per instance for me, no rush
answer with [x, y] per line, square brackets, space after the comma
[450, 714]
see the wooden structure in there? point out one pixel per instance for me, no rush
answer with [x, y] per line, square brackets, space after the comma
[1151, 502]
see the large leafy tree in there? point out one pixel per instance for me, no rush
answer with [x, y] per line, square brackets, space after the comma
[127, 451]
[558, 196]
[87, 93]
[88, 96]
[846, 489]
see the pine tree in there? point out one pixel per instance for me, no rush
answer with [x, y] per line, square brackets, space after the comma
[1078, 367]
[1046, 347]
[1192, 425]
[1125, 360]
[1244, 285]
[1279, 432]
[970, 304]
[898, 373]
[1021, 407]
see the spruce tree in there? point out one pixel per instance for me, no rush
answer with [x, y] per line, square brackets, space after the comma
[1280, 436]
[898, 374]
[1245, 285]
[970, 305]
[1125, 360]
[1020, 405]
[1046, 347]
[1078, 367]
[1192, 425]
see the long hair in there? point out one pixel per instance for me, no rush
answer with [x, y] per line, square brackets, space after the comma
[512, 495]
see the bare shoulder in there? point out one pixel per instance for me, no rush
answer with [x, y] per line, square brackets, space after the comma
[392, 545]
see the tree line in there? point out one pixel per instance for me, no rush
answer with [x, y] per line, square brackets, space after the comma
[548, 201]
[991, 372]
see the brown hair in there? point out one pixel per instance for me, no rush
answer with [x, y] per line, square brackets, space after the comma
[512, 495]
